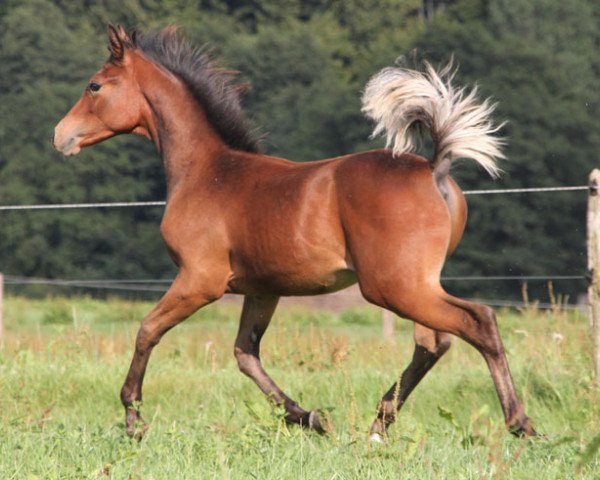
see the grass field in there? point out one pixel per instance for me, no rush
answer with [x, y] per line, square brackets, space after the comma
[62, 362]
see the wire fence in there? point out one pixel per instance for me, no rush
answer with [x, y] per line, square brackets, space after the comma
[162, 203]
[161, 285]
[527, 190]
[139, 284]
[69, 206]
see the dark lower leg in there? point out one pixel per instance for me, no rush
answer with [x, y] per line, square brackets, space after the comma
[251, 366]
[483, 334]
[429, 348]
[514, 413]
[256, 316]
[475, 324]
[131, 392]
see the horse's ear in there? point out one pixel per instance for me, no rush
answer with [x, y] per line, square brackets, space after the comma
[115, 42]
[123, 34]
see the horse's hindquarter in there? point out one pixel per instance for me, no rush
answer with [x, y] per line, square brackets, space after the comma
[398, 226]
[286, 235]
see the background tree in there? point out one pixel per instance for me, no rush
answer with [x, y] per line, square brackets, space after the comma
[307, 62]
[47, 59]
[541, 75]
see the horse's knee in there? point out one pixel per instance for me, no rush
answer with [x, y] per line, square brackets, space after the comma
[177, 305]
[190, 300]
[147, 338]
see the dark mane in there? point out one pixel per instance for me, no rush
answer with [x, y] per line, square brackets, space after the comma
[213, 87]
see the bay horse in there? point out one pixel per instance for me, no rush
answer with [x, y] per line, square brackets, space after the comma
[239, 221]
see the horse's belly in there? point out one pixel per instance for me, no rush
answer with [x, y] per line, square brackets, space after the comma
[288, 282]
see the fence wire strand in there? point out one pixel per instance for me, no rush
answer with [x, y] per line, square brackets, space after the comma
[526, 190]
[154, 286]
[66, 206]
[160, 285]
[162, 203]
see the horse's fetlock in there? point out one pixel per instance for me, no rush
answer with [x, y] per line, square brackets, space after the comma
[128, 398]
[387, 411]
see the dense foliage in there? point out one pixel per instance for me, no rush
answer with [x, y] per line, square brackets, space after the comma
[307, 61]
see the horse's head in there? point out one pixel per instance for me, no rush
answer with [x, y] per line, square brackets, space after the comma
[112, 102]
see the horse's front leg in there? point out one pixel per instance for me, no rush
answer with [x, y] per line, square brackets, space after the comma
[256, 316]
[187, 294]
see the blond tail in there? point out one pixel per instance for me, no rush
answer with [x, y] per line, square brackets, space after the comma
[400, 99]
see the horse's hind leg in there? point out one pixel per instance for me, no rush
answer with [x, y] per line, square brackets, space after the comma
[482, 332]
[429, 348]
[256, 316]
[476, 324]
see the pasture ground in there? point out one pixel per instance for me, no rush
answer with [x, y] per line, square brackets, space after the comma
[62, 362]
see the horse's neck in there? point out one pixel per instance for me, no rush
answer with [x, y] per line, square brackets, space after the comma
[179, 128]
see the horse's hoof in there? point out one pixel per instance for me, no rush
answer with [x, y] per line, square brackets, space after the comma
[523, 429]
[310, 420]
[137, 431]
[135, 426]
[315, 423]
[140, 431]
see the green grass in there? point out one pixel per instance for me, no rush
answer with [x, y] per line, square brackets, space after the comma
[62, 362]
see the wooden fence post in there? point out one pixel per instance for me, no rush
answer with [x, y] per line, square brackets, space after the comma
[593, 255]
[1, 306]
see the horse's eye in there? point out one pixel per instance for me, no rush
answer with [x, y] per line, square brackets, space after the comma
[94, 87]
